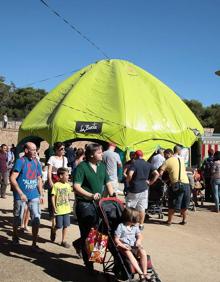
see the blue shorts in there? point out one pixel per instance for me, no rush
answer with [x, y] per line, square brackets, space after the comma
[62, 221]
[179, 200]
[34, 208]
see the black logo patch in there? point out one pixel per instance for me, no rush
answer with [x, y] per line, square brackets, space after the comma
[88, 127]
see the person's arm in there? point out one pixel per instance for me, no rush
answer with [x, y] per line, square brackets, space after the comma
[49, 175]
[53, 200]
[109, 189]
[139, 238]
[40, 189]
[119, 164]
[125, 172]
[121, 245]
[162, 169]
[13, 157]
[16, 187]
[156, 175]
[40, 182]
[82, 192]
[129, 175]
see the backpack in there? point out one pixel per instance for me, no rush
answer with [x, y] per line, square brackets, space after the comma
[207, 166]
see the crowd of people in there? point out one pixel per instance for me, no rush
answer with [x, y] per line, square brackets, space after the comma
[93, 174]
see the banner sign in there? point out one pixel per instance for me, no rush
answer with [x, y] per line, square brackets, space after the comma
[88, 127]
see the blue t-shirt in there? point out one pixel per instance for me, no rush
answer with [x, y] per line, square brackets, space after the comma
[127, 234]
[29, 170]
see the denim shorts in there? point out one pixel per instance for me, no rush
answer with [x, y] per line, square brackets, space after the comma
[62, 221]
[34, 208]
[180, 199]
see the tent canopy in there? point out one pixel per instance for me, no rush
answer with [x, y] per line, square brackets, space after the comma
[117, 101]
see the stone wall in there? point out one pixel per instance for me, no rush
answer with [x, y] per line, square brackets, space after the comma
[8, 136]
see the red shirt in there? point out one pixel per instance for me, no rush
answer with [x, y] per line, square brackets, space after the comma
[3, 162]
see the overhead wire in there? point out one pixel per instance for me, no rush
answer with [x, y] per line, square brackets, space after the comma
[49, 78]
[75, 29]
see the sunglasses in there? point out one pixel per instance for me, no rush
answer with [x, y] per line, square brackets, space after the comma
[61, 149]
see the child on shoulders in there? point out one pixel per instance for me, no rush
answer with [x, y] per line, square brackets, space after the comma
[128, 239]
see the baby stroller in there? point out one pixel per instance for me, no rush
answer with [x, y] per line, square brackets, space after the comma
[110, 210]
[198, 193]
[156, 198]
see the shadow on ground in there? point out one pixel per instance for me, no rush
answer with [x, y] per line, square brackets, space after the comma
[52, 264]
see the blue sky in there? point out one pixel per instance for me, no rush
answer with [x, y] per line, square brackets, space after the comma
[177, 41]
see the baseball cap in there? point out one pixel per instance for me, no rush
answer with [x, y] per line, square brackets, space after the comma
[139, 153]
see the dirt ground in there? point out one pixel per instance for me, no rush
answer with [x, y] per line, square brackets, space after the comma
[179, 253]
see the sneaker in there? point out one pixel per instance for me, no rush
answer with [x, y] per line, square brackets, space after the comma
[90, 268]
[52, 234]
[141, 227]
[27, 229]
[15, 241]
[37, 249]
[65, 245]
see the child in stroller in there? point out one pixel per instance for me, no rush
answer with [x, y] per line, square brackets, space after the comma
[128, 239]
[198, 188]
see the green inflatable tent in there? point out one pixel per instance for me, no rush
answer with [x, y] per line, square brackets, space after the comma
[116, 101]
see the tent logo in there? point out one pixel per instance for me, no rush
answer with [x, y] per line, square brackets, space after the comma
[88, 127]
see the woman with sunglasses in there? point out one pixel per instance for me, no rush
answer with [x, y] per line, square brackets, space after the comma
[55, 162]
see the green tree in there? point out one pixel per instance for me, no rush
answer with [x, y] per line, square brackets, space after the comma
[197, 108]
[18, 102]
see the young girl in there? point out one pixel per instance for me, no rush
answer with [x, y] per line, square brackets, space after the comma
[128, 239]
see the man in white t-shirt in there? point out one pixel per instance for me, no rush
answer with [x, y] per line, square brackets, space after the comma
[112, 161]
[158, 159]
[5, 120]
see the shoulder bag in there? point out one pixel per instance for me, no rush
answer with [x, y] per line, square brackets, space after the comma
[178, 186]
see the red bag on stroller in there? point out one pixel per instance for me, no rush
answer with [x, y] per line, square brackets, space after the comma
[96, 245]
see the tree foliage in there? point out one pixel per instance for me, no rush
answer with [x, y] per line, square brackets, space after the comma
[208, 116]
[18, 102]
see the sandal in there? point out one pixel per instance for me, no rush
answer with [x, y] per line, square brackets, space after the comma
[168, 223]
[142, 278]
[183, 223]
[147, 277]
